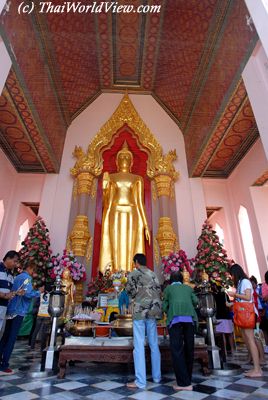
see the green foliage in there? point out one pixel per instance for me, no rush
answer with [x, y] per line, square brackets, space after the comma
[36, 248]
[211, 257]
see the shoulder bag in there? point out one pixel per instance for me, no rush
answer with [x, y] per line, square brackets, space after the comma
[244, 314]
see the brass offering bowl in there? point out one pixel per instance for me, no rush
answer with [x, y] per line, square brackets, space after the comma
[81, 327]
[123, 325]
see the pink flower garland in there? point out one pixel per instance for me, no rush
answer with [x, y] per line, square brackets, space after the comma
[177, 262]
[67, 260]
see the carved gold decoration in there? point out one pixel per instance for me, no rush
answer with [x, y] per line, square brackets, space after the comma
[93, 189]
[85, 163]
[163, 185]
[89, 249]
[84, 183]
[154, 194]
[80, 236]
[164, 165]
[156, 251]
[177, 245]
[78, 297]
[68, 243]
[92, 162]
[166, 236]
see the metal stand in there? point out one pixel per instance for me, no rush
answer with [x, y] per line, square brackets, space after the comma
[55, 309]
[51, 349]
[215, 353]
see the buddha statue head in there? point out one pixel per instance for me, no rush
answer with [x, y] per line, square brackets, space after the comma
[124, 159]
[66, 274]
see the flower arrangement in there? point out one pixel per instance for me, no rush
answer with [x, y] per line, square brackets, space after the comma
[211, 257]
[36, 248]
[177, 262]
[102, 283]
[67, 260]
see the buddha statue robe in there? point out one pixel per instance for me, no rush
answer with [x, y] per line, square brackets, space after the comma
[124, 222]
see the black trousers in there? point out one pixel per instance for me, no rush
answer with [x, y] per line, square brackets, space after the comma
[32, 330]
[182, 350]
[43, 324]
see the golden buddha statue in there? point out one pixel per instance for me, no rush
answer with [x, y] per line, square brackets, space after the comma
[186, 278]
[204, 276]
[68, 289]
[124, 221]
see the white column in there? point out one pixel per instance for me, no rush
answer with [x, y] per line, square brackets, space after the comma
[2, 3]
[4, 57]
[255, 76]
[199, 204]
[4, 65]
[259, 197]
[258, 10]
[48, 199]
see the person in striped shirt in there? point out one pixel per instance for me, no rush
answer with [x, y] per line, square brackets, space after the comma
[6, 282]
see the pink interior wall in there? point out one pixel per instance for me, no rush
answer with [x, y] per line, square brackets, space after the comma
[234, 192]
[260, 201]
[23, 214]
[14, 189]
[220, 218]
[217, 195]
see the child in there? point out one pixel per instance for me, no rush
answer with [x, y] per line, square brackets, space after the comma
[43, 321]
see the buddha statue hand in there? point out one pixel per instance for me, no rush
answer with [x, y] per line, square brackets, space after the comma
[147, 234]
[106, 180]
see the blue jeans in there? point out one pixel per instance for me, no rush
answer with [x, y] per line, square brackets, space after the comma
[140, 329]
[8, 340]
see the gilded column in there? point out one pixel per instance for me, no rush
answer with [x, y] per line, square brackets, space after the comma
[164, 178]
[166, 236]
[80, 236]
[79, 239]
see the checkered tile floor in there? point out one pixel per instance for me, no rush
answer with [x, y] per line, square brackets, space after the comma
[107, 382]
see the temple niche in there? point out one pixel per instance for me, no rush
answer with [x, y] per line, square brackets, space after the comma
[123, 169]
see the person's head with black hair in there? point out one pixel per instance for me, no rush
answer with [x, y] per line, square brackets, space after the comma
[11, 259]
[266, 277]
[48, 287]
[254, 281]
[237, 273]
[29, 267]
[176, 276]
[139, 259]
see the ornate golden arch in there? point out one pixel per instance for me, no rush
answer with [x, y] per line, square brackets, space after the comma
[92, 161]
[89, 166]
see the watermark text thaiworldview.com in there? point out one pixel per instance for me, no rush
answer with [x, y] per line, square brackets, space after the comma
[51, 7]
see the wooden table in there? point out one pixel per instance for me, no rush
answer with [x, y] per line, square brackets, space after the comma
[121, 354]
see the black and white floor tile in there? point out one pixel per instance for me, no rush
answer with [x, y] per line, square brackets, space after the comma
[108, 382]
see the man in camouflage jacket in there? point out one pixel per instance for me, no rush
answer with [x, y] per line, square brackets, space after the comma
[144, 289]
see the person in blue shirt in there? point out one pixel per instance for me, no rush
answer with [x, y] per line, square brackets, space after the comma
[6, 282]
[16, 310]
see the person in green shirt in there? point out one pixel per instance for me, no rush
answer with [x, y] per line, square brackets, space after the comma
[179, 304]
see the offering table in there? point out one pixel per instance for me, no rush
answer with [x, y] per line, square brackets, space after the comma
[119, 350]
